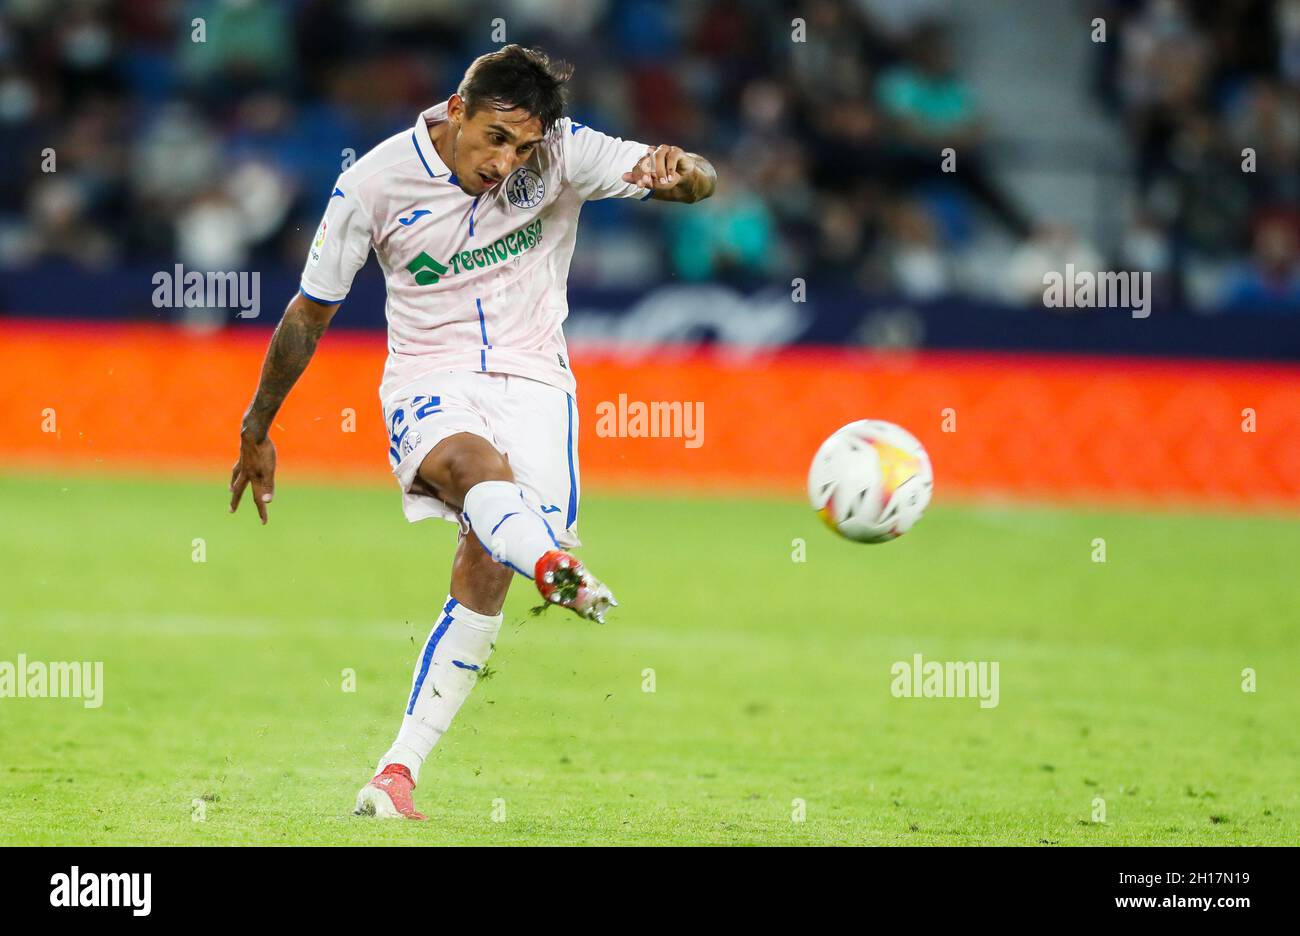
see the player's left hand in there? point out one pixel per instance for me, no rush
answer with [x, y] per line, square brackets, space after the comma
[662, 168]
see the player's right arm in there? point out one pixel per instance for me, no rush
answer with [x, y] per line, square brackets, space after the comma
[290, 351]
[339, 249]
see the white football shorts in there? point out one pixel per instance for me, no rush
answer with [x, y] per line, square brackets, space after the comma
[533, 424]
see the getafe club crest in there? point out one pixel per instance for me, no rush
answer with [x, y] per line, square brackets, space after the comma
[525, 188]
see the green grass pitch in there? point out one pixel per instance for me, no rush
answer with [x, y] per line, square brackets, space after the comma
[1119, 681]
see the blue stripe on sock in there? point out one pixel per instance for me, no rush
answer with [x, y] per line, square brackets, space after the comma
[549, 531]
[546, 526]
[429, 647]
[505, 562]
[513, 513]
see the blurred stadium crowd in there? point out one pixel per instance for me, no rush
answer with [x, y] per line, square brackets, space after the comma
[1195, 84]
[220, 153]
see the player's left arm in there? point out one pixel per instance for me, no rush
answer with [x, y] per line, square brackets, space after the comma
[674, 175]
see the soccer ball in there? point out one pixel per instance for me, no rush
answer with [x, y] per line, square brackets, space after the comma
[870, 481]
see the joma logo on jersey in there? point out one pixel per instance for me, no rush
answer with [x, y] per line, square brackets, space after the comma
[428, 271]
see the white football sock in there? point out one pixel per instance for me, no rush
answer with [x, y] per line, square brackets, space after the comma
[445, 672]
[514, 533]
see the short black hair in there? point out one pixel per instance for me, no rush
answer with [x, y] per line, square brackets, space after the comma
[514, 76]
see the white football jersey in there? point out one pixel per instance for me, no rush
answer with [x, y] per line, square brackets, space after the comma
[474, 283]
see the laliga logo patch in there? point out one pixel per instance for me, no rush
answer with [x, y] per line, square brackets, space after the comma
[525, 188]
[319, 242]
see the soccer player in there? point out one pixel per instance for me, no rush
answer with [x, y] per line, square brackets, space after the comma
[473, 215]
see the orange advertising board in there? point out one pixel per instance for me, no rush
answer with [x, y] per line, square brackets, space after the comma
[79, 395]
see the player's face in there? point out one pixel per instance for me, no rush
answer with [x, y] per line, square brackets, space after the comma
[491, 145]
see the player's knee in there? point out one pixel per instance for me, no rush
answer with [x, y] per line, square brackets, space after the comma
[466, 469]
[459, 463]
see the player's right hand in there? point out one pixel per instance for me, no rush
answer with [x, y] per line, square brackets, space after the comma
[256, 466]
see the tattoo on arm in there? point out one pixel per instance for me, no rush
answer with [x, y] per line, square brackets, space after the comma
[291, 349]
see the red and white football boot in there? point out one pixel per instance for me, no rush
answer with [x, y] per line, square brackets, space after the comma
[565, 581]
[388, 795]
